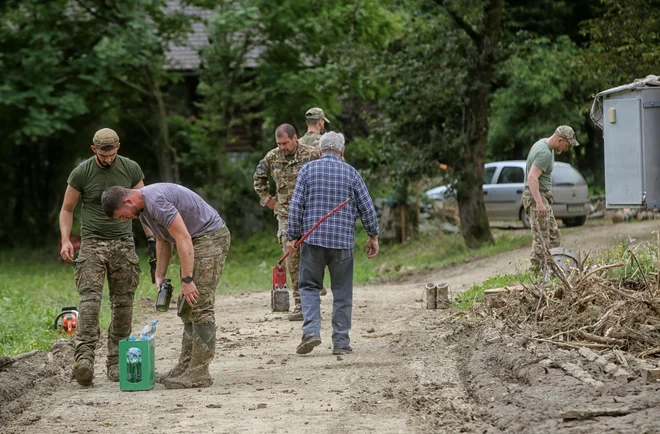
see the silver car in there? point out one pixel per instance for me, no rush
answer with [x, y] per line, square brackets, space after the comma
[504, 183]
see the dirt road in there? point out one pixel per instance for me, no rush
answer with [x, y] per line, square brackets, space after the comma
[403, 376]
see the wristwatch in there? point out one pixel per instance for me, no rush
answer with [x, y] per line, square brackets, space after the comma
[186, 279]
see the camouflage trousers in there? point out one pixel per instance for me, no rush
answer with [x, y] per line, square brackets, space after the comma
[547, 226]
[292, 261]
[210, 255]
[117, 259]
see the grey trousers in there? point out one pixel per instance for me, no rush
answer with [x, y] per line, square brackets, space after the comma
[313, 260]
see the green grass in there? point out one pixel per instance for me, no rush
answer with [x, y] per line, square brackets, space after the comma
[465, 300]
[645, 253]
[34, 285]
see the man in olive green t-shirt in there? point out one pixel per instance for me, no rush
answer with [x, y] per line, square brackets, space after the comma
[107, 247]
[537, 198]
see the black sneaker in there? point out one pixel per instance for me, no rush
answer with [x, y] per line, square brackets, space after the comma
[340, 351]
[308, 343]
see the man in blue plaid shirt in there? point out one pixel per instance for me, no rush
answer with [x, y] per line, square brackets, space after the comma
[322, 185]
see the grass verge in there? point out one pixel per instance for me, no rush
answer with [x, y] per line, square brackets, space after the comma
[465, 300]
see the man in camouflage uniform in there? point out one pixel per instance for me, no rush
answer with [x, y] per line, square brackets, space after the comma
[179, 216]
[283, 164]
[316, 120]
[107, 248]
[537, 198]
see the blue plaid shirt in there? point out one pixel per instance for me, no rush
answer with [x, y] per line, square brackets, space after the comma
[322, 185]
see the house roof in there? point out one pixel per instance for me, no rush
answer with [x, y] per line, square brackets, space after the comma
[185, 57]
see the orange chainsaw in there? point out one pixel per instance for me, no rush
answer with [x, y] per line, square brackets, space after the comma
[67, 320]
[279, 296]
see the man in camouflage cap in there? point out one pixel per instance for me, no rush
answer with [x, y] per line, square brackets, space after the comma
[316, 121]
[283, 164]
[107, 248]
[537, 198]
[179, 216]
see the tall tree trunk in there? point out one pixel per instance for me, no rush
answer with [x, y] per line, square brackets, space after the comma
[470, 197]
[166, 156]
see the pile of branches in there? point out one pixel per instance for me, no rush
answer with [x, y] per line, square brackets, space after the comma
[583, 308]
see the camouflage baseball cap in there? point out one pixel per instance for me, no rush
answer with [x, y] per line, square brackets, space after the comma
[315, 113]
[106, 139]
[567, 132]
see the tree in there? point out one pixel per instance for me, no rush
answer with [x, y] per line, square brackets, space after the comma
[141, 33]
[67, 69]
[485, 37]
[420, 107]
[440, 97]
[542, 90]
[267, 63]
[52, 73]
[623, 42]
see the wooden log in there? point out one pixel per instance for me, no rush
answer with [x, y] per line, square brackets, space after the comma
[494, 292]
[596, 215]
[649, 375]
[649, 352]
[25, 355]
[580, 374]
[601, 339]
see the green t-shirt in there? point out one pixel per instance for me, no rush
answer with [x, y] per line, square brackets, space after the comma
[542, 157]
[90, 180]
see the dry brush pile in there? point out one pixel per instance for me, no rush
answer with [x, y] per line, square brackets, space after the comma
[613, 305]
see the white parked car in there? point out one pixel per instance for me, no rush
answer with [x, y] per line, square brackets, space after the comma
[504, 183]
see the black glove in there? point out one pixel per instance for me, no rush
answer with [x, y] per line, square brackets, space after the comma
[151, 246]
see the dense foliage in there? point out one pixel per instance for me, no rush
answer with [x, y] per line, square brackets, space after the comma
[412, 83]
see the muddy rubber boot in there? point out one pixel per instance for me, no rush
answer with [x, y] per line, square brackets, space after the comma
[203, 350]
[83, 372]
[184, 357]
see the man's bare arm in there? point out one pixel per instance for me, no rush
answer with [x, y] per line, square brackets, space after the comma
[533, 182]
[71, 197]
[184, 247]
[163, 255]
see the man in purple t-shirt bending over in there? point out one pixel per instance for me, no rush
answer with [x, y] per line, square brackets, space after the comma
[180, 216]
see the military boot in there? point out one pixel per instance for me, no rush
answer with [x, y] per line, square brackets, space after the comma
[83, 372]
[184, 357]
[112, 363]
[113, 373]
[296, 315]
[203, 350]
